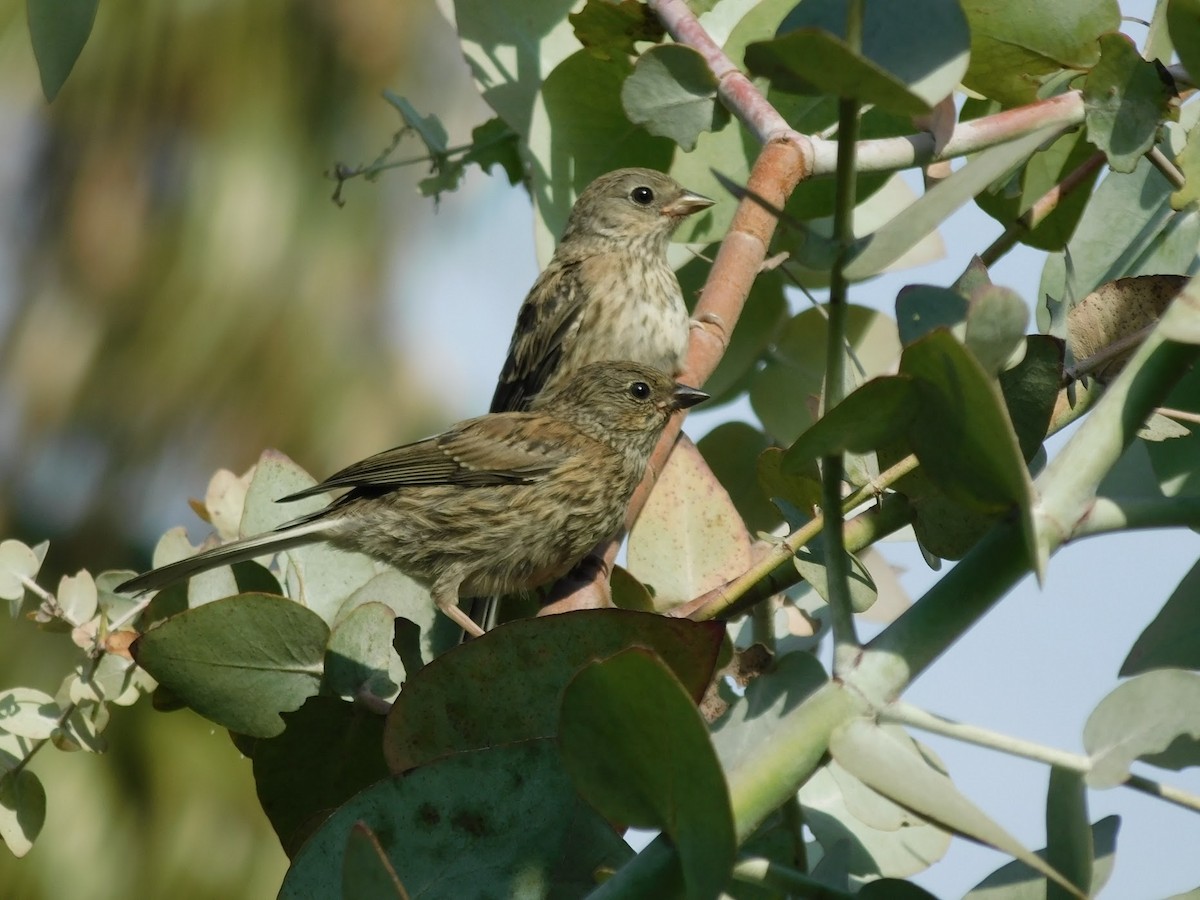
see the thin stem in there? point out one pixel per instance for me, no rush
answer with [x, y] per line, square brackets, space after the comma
[1108, 514]
[1170, 171]
[1042, 207]
[68, 711]
[907, 714]
[837, 564]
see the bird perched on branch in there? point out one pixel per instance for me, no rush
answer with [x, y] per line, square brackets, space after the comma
[500, 503]
[608, 291]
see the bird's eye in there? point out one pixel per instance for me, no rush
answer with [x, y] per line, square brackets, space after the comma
[639, 390]
[642, 196]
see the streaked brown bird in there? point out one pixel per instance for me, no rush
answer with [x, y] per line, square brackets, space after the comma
[500, 503]
[608, 292]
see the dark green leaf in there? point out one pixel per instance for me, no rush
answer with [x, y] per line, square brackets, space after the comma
[1015, 49]
[58, 30]
[329, 752]
[802, 490]
[503, 816]
[240, 661]
[428, 128]
[494, 143]
[1031, 389]
[610, 29]
[638, 750]
[893, 889]
[874, 413]
[1169, 642]
[1046, 169]
[504, 687]
[672, 93]
[1174, 461]
[367, 874]
[1183, 21]
[912, 56]
[962, 434]
[1125, 99]
[810, 562]
[922, 308]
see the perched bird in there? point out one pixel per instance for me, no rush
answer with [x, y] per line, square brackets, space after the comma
[500, 503]
[608, 292]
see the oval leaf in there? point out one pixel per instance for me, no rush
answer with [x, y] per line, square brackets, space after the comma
[240, 661]
[672, 93]
[638, 750]
[22, 810]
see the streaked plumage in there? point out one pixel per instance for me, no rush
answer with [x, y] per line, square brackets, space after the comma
[500, 503]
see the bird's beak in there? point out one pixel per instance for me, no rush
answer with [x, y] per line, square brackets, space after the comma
[685, 396]
[686, 204]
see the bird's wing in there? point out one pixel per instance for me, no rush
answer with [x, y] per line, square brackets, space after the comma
[493, 449]
[548, 319]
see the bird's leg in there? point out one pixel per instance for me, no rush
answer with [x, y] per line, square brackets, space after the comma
[712, 324]
[445, 595]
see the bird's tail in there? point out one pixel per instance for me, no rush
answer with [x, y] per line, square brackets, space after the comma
[228, 554]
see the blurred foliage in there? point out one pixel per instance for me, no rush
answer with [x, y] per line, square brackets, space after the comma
[177, 290]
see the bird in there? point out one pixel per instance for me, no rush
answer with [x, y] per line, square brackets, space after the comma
[608, 293]
[496, 504]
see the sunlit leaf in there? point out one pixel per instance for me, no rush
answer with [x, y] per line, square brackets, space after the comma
[1125, 100]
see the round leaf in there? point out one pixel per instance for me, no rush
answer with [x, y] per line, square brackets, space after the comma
[672, 93]
[22, 810]
[240, 661]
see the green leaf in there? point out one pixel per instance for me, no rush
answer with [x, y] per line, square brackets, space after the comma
[1017, 881]
[883, 763]
[786, 392]
[996, 322]
[881, 836]
[874, 413]
[810, 562]
[464, 699]
[731, 451]
[18, 563]
[638, 750]
[912, 56]
[585, 122]
[22, 810]
[329, 751]
[1015, 49]
[58, 30]
[1068, 835]
[909, 227]
[1169, 642]
[429, 128]
[610, 29]
[511, 45]
[1154, 717]
[688, 538]
[360, 653]
[28, 713]
[1045, 169]
[366, 873]
[922, 308]
[1124, 100]
[240, 661]
[962, 433]
[505, 816]
[672, 93]
[1031, 390]
[1150, 241]
[1183, 22]
[495, 143]
[751, 719]
[1174, 462]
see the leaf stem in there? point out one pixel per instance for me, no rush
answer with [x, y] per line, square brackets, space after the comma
[766, 873]
[915, 717]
